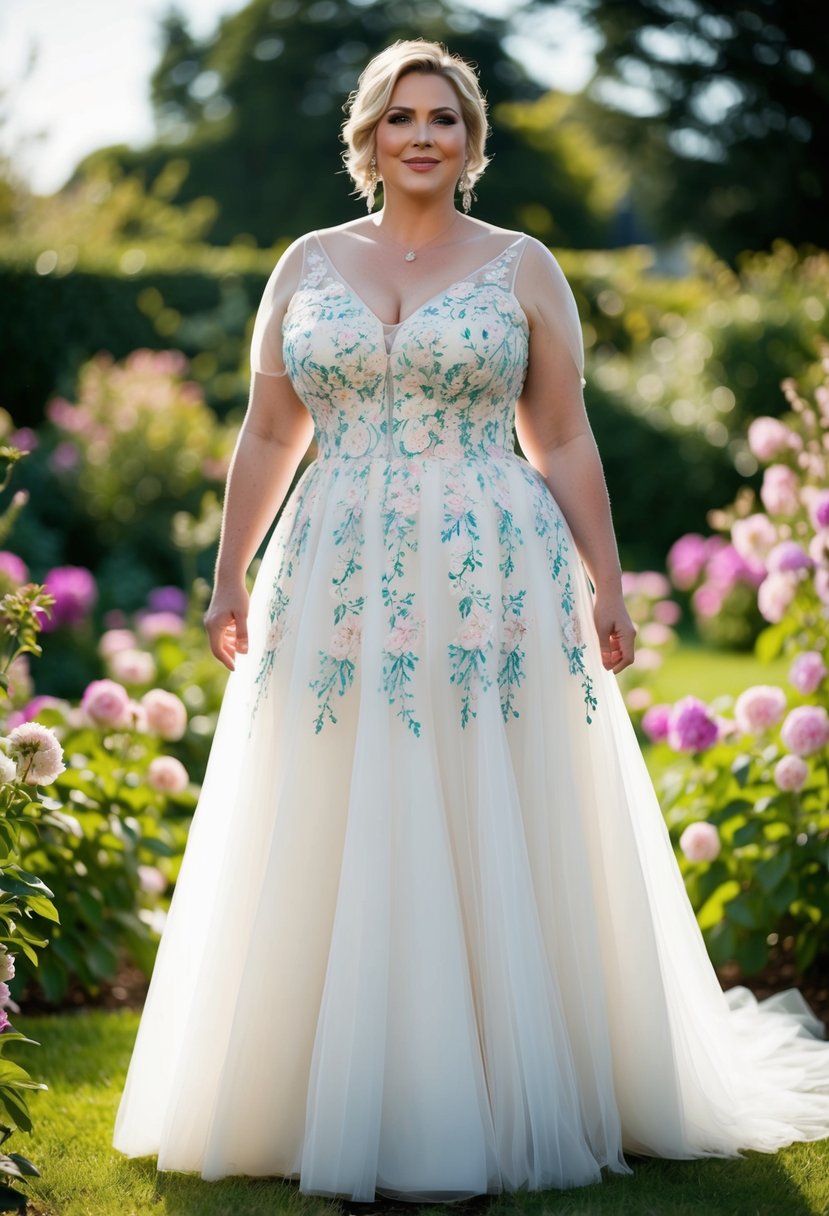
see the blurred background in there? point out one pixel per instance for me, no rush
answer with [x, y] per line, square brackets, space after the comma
[155, 161]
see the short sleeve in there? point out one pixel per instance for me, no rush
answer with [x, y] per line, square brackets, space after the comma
[543, 279]
[266, 342]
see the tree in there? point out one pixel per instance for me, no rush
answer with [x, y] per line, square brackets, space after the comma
[255, 110]
[720, 110]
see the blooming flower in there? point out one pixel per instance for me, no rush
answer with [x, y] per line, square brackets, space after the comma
[345, 640]
[805, 730]
[75, 593]
[686, 560]
[788, 557]
[168, 599]
[514, 629]
[133, 666]
[753, 536]
[779, 490]
[775, 594]
[807, 672]
[760, 708]
[152, 625]
[656, 722]
[166, 713]
[768, 437]
[4, 1021]
[167, 775]
[114, 640]
[790, 773]
[106, 703]
[403, 637]
[14, 567]
[8, 769]
[37, 752]
[700, 842]
[820, 511]
[667, 612]
[691, 727]
[474, 632]
[6, 964]
[150, 878]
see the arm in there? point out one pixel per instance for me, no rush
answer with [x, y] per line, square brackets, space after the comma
[273, 438]
[555, 436]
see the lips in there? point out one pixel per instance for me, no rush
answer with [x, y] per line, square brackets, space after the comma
[421, 160]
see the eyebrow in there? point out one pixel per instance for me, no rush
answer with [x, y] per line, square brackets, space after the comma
[437, 109]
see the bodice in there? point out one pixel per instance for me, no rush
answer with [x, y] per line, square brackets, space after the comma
[441, 383]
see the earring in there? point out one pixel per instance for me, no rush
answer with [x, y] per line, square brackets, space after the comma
[372, 184]
[465, 187]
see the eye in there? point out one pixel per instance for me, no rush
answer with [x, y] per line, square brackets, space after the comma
[448, 119]
[398, 118]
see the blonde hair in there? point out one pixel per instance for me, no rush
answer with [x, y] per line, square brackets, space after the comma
[369, 101]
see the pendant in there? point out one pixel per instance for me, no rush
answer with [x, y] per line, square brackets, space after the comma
[411, 255]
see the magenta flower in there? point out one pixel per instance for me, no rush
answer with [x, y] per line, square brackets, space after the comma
[760, 708]
[708, 599]
[806, 730]
[788, 558]
[656, 723]
[807, 672]
[820, 511]
[686, 560]
[14, 567]
[168, 599]
[728, 566]
[75, 593]
[691, 727]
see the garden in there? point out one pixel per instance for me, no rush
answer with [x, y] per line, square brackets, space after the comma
[708, 392]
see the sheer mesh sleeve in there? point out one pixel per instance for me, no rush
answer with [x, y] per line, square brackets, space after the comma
[266, 342]
[540, 275]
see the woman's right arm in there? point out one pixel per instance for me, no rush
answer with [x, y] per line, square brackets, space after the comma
[274, 436]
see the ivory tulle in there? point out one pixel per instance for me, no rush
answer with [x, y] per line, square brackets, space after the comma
[443, 962]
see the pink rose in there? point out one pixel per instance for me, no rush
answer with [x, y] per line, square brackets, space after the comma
[779, 490]
[133, 666]
[760, 708]
[166, 714]
[774, 596]
[807, 672]
[691, 728]
[106, 703]
[167, 775]
[805, 730]
[768, 437]
[790, 773]
[753, 536]
[114, 640]
[700, 842]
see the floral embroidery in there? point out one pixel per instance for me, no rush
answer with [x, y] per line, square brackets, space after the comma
[443, 388]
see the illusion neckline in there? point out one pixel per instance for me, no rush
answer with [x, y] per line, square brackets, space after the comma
[438, 295]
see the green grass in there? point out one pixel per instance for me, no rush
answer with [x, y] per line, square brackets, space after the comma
[83, 1059]
[703, 672]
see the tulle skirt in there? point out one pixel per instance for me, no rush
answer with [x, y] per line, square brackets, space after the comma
[429, 938]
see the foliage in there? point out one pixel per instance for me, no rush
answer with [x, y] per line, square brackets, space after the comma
[750, 808]
[719, 110]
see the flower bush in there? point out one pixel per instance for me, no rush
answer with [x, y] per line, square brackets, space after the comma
[749, 807]
[647, 599]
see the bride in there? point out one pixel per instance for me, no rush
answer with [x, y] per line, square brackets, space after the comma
[429, 938]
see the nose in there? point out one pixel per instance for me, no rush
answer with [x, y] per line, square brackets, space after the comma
[421, 134]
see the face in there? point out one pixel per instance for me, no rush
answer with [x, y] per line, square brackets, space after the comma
[421, 138]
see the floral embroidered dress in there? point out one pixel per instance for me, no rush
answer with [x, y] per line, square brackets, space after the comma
[429, 938]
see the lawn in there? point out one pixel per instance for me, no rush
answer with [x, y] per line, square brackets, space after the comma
[84, 1056]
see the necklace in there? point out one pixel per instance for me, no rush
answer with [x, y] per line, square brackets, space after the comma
[410, 254]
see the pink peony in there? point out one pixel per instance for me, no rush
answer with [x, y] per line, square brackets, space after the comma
[805, 730]
[114, 640]
[403, 637]
[6, 965]
[37, 752]
[768, 437]
[728, 566]
[686, 560]
[820, 511]
[653, 585]
[790, 773]
[779, 490]
[760, 708]
[753, 536]
[106, 703]
[691, 727]
[152, 625]
[14, 567]
[656, 723]
[667, 612]
[514, 629]
[8, 769]
[807, 672]
[787, 558]
[707, 600]
[774, 596]
[133, 666]
[167, 775]
[473, 633]
[700, 842]
[166, 714]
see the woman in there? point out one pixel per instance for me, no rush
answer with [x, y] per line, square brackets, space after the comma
[429, 938]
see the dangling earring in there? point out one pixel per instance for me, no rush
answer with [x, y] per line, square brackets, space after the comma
[465, 187]
[372, 184]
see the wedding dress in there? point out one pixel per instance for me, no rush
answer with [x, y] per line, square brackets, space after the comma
[429, 937]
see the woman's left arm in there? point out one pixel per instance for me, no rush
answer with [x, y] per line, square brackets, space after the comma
[555, 436]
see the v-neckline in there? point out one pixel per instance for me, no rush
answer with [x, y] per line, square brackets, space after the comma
[396, 326]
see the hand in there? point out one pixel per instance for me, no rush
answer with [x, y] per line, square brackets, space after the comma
[615, 630]
[226, 622]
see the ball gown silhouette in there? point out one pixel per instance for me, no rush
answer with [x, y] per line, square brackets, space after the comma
[429, 937]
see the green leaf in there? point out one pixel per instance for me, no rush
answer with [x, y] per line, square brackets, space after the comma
[745, 910]
[773, 870]
[43, 907]
[24, 1164]
[712, 911]
[721, 942]
[753, 953]
[12, 1200]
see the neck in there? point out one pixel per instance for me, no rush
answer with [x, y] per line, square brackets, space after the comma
[413, 222]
